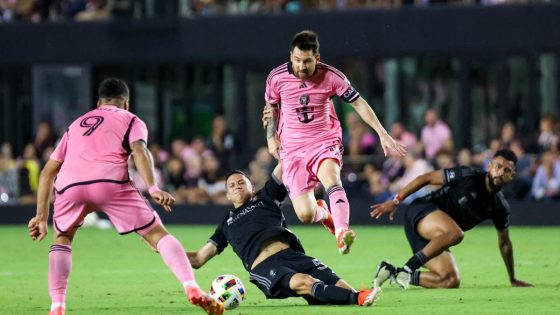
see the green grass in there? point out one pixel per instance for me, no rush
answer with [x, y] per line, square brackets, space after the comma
[115, 274]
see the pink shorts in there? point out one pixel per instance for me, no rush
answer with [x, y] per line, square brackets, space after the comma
[299, 170]
[125, 206]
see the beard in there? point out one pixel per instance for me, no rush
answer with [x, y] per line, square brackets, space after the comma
[495, 183]
[303, 74]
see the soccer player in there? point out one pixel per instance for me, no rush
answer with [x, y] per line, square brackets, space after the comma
[270, 252]
[90, 168]
[437, 221]
[308, 137]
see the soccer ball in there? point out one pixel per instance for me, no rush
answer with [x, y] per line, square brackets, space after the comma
[229, 290]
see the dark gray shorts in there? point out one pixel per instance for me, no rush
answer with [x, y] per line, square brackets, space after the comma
[272, 276]
[415, 212]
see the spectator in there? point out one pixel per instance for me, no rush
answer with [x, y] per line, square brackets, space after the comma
[18, 10]
[548, 136]
[44, 138]
[359, 139]
[435, 134]
[46, 155]
[7, 150]
[507, 136]
[378, 185]
[402, 135]
[546, 183]
[222, 142]
[444, 159]
[96, 10]
[160, 155]
[261, 167]
[175, 181]
[520, 187]
[465, 158]
[414, 166]
[137, 180]
[28, 175]
[212, 180]
[9, 187]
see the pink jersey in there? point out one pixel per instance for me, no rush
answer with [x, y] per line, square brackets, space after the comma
[307, 115]
[96, 147]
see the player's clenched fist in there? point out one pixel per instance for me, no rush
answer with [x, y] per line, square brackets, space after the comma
[38, 229]
[163, 198]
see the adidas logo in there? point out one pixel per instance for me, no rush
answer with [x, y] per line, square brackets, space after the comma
[302, 85]
[340, 201]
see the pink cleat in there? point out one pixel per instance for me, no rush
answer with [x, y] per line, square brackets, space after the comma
[199, 298]
[58, 311]
[328, 223]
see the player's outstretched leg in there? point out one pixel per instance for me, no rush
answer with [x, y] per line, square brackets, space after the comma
[328, 223]
[173, 254]
[385, 271]
[341, 215]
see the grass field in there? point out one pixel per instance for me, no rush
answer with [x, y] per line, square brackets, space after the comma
[115, 274]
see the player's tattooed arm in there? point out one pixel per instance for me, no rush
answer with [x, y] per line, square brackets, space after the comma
[270, 122]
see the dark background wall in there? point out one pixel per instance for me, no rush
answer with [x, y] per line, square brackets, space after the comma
[433, 30]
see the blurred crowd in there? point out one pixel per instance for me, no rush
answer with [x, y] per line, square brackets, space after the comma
[98, 10]
[193, 171]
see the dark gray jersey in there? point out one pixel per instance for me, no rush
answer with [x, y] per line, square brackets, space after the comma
[260, 219]
[465, 198]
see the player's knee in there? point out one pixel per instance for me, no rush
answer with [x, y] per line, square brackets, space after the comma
[451, 281]
[454, 237]
[457, 236]
[332, 180]
[306, 215]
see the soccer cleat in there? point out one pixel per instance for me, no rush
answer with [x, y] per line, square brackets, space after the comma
[402, 278]
[345, 240]
[385, 271]
[328, 223]
[368, 297]
[199, 298]
[58, 311]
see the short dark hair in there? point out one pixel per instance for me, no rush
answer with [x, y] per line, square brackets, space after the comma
[113, 88]
[306, 40]
[507, 154]
[235, 172]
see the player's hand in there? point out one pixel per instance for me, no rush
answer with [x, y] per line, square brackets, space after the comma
[520, 283]
[274, 147]
[379, 209]
[164, 198]
[387, 142]
[268, 112]
[38, 228]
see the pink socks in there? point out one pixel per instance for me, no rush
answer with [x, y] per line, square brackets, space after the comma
[340, 208]
[60, 264]
[174, 256]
